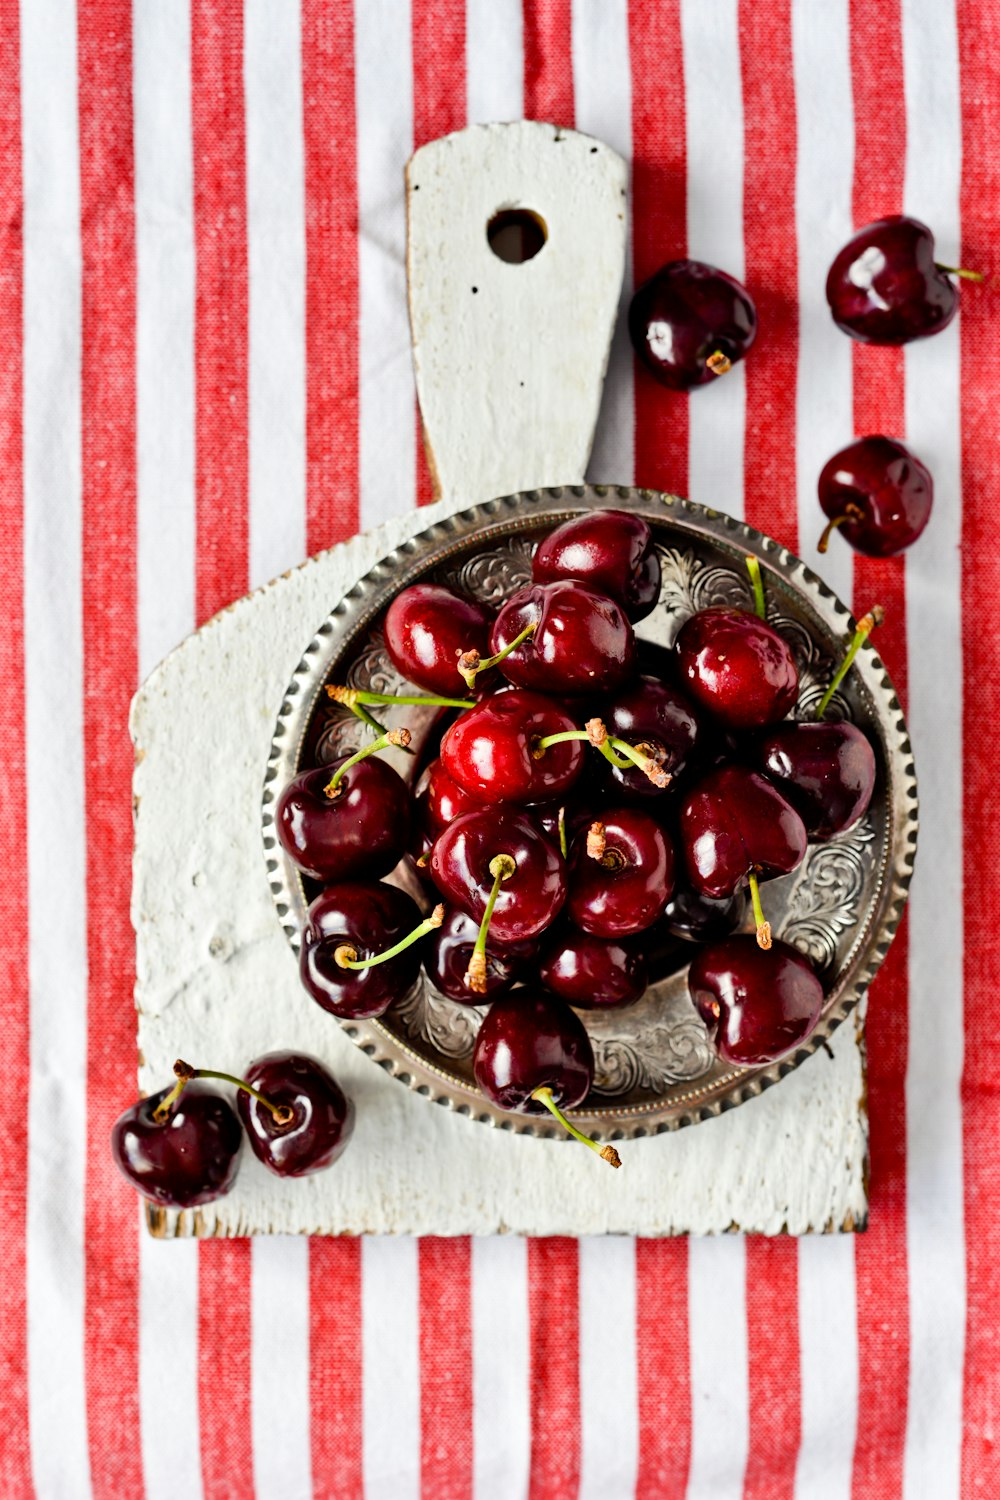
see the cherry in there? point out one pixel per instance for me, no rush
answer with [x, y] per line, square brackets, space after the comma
[491, 750]
[439, 799]
[562, 637]
[533, 1054]
[885, 287]
[704, 919]
[758, 1005]
[448, 956]
[521, 900]
[612, 550]
[357, 956]
[658, 720]
[826, 771]
[878, 494]
[690, 323]
[427, 627]
[621, 874]
[179, 1151]
[737, 830]
[737, 666]
[321, 1115]
[592, 973]
[348, 818]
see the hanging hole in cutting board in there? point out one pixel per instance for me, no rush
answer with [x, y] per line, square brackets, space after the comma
[516, 234]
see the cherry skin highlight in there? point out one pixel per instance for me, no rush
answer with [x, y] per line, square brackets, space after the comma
[529, 900]
[884, 286]
[626, 887]
[758, 1005]
[877, 495]
[322, 1115]
[491, 749]
[737, 666]
[689, 323]
[582, 640]
[735, 822]
[427, 627]
[825, 770]
[191, 1157]
[592, 973]
[368, 917]
[612, 551]
[529, 1041]
[362, 830]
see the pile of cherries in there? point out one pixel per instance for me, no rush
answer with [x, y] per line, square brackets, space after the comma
[690, 323]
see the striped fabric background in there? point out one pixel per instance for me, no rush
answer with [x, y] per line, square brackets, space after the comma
[206, 373]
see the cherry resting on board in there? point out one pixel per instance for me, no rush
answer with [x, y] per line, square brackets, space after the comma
[322, 1116]
[757, 1004]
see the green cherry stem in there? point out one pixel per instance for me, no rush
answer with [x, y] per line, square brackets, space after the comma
[606, 1153]
[960, 271]
[346, 956]
[760, 607]
[851, 512]
[563, 846]
[283, 1113]
[617, 751]
[865, 626]
[501, 867]
[366, 718]
[470, 663]
[351, 697]
[398, 737]
[763, 925]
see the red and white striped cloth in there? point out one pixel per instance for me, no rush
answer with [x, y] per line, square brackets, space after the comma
[204, 345]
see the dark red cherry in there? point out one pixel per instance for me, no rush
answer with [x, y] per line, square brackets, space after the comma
[530, 1041]
[427, 627]
[826, 771]
[733, 823]
[527, 901]
[737, 666]
[620, 877]
[363, 829]
[491, 750]
[877, 494]
[582, 641]
[439, 799]
[704, 919]
[592, 973]
[366, 918]
[322, 1115]
[190, 1157]
[612, 550]
[885, 287]
[656, 718]
[758, 1005]
[448, 954]
[690, 323]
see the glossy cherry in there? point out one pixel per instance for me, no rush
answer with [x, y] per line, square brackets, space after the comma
[366, 918]
[528, 899]
[448, 954]
[427, 627]
[659, 720]
[690, 323]
[491, 750]
[361, 827]
[758, 1005]
[439, 799]
[621, 874]
[825, 770]
[877, 494]
[612, 550]
[704, 919]
[885, 287]
[190, 1156]
[322, 1116]
[581, 640]
[737, 666]
[592, 973]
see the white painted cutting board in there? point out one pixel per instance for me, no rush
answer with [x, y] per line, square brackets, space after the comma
[216, 982]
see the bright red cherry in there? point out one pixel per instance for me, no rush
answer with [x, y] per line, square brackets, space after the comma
[877, 494]
[592, 973]
[529, 893]
[322, 1116]
[573, 639]
[491, 750]
[439, 799]
[427, 627]
[621, 874]
[612, 550]
[885, 287]
[448, 955]
[737, 666]
[357, 947]
[658, 720]
[690, 323]
[826, 771]
[704, 919]
[179, 1149]
[758, 1004]
[357, 825]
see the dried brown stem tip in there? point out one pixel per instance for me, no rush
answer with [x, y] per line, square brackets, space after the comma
[437, 915]
[657, 775]
[183, 1069]
[475, 974]
[283, 1114]
[610, 1155]
[596, 841]
[468, 666]
[764, 935]
[719, 363]
[346, 695]
[345, 955]
[874, 617]
[399, 737]
[596, 732]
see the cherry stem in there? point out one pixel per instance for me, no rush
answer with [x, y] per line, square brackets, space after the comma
[373, 723]
[470, 663]
[346, 957]
[865, 626]
[960, 271]
[759, 603]
[607, 1153]
[399, 737]
[719, 363]
[851, 512]
[763, 925]
[283, 1113]
[351, 697]
[502, 867]
[620, 754]
[563, 846]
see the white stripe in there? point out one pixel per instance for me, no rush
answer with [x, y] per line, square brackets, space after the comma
[384, 105]
[935, 1209]
[829, 1367]
[501, 1441]
[57, 969]
[279, 1292]
[714, 115]
[602, 87]
[823, 188]
[609, 1417]
[164, 210]
[168, 1368]
[276, 253]
[494, 46]
[390, 1384]
[720, 1395]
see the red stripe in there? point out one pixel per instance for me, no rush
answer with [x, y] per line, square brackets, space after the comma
[331, 193]
[659, 215]
[445, 1369]
[108, 311]
[663, 1369]
[548, 61]
[554, 1331]
[979, 53]
[221, 304]
[775, 1392]
[15, 1457]
[224, 1348]
[335, 1368]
